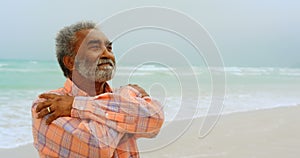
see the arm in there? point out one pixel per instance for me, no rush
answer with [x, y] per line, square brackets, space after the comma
[71, 137]
[125, 110]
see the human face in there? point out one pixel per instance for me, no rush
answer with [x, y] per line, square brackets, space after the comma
[94, 60]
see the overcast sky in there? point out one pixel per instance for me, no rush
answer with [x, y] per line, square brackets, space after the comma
[247, 32]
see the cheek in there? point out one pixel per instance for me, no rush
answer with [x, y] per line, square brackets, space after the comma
[112, 57]
[93, 57]
[89, 57]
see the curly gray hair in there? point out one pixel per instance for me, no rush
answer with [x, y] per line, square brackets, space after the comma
[65, 42]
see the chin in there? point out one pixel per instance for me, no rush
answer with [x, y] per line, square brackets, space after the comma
[103, 79]
[104, 76]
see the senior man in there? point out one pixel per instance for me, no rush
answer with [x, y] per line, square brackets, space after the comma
[86, 117]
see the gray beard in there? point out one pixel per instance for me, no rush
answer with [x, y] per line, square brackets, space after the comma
[93, 73]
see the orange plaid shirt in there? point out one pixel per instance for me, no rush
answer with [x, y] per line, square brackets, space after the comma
[106, 125]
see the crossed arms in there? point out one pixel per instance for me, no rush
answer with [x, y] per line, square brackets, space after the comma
[94, 126]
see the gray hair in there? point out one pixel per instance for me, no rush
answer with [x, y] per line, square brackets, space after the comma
[65, 42]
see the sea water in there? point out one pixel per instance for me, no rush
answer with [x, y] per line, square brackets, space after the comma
[184, 92]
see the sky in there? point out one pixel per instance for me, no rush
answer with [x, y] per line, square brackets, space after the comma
[247, 33]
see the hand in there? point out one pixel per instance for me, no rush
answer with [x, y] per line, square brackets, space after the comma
[59, 106]
[140, 89]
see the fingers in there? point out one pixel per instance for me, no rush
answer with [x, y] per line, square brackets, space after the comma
[46, 103]
[45, 112]
[48, 96]
[51, 118]
[43, 105]
[140, 89]
[133, 85]
[55, 105]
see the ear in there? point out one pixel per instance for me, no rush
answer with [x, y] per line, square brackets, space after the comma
[69, 62]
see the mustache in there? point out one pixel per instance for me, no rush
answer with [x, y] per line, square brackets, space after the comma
[106, 61]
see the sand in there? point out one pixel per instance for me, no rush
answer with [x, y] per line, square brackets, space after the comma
[264, 133]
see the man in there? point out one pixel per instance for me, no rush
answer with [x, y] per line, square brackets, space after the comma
[86, 118]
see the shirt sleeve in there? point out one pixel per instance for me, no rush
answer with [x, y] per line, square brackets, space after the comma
[73, 137]
[124, 110]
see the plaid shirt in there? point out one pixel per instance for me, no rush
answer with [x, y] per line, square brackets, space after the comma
[106, 125]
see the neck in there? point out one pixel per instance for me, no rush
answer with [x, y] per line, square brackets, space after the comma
[92, 88]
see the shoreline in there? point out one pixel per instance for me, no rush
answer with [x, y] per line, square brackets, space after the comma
[241, 111]
[258, 133]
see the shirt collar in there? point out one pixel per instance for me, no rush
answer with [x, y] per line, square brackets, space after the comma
[73, 90]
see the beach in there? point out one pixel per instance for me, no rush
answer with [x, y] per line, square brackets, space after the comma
[237, 61]
[259, 114]
[262, 133]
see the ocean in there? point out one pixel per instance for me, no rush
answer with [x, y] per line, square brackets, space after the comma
[185, 92]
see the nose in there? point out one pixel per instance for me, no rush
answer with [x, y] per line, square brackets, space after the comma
[107, 54]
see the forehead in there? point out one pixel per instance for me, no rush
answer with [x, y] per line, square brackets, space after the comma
[84, 36]
[96, 34]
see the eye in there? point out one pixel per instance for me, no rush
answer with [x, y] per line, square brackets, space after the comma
[95, 47]
[109, 47]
